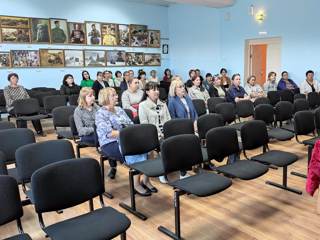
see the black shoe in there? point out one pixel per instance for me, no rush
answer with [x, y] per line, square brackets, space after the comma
[145, 194]
[209, 166]
[112, 173]
[153, 189]
[41, 134]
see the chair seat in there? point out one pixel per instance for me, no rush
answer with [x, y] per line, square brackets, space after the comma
[23, 236]
[277, 158]
[244, 169]
[103, 223]
[64, 133]
[311, 141]
[151, 168]
[33, 117]
[280, 134]
[203, 184]
[289, 127]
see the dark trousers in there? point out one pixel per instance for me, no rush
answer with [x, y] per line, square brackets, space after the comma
[113, 152]
[23, 124]
[89, 139]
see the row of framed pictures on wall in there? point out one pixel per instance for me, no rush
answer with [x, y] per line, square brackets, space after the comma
[51, 58]
[60, 31]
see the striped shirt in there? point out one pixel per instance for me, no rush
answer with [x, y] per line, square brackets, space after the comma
[12, 94]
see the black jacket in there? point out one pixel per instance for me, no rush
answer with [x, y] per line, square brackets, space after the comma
[213, 92]
[97, 87]
[67, 90]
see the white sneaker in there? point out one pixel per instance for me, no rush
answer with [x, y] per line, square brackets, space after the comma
[185, 176]
[163, 179]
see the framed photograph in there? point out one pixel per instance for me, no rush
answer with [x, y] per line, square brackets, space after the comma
[93, 32]
[73, 58]
[14, 22]
[51, 58]
[154, 38]
[124, 35]
[116, 58]
[25, 58]
[152, 59]
[138, 35]
[5, 61]
[109, 32]
[165, 48]
[93, 58]
[40, 30]
[58, 31]
[77, 33]
[15, 35]
[134, 59]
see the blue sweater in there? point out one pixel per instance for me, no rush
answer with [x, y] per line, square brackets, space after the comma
[178, 110]
[282, 84]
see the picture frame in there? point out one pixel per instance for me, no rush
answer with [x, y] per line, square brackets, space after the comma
[77, 33]
[73, 58]
[58, 31]
[52, 58]
[95, 58]
[138, 35]
[109, 34]
[165, 48]
[15, 35]
[40, 32]
[25, 58]
[152, 59]
[5, 60]
[124, 35]
[14, 22]
[154, 38]
[93, 33]
[135, 58]
[116, 58]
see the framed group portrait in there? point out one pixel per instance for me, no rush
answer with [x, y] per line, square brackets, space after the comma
[77, 33]
[40, 30]
[14, 22]
[138, 35]
[93, 33]
[73, 58]
[25, 58]
[15, 35]
[154, 38]
[5, 61]
[116, 58]
[124, 35]
[95, 58]
[152, 59]
[58, 31]
[109, 33]
[51, 58]
[134, 59]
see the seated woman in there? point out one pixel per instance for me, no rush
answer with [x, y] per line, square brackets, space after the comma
[68, 86]
[225, 80]
[217, 89]
[271, 83]
[197, 91]
[131, 98]
[192, 76]
[99, 84]
[84, 115]
[253, 89]
[207, 83]
[142, 79]
[153, 76]
[86, 80]
[110, 119]
[286, 83]
[124, 83]
[310, 84]
[235, 92]
[14, 92]
[115, 82]
[165, 83]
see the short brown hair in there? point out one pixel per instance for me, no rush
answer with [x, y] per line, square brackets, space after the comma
[249, 78]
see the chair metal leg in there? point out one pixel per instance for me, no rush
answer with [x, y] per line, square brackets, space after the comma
[310, 148]
[123, 236]
[106, 194]
[166, 231]
[132, 209]
[284, 184]
[78, 151]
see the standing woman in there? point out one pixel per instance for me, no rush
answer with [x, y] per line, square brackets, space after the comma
[270, 84]
[86, 80]
[99, 84]
[225, 80]
[14, 92]
[197, 91]
[131, 98]
[84, 115]
[68, 86]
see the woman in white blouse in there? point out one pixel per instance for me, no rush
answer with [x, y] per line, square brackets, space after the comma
[309, 85]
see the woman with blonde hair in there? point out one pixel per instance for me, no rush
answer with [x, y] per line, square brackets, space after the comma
[84, 115]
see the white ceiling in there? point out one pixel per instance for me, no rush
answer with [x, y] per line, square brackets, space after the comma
[208, 3]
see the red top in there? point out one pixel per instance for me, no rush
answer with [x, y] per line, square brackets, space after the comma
[313, 179]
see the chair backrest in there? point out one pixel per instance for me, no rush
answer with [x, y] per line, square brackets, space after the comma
[299, 95]
[283, 111]
[181, 152]
[3, 165]
[138, 139]
[14, 138]
[216, 143]
[317, 119]
[27, 106]
[177, 126]
[227, 110]
[73, 100]
[313, 99]
[300, 104]
[6, 125]
[213, 102]
[71, 182]
[200, 106]
[51, 102]
[304, 122]
[163, 95]
[244, 108]
[261, 100]
[207, 122]
[73, 127]
[286, 95]
[129, 113]
[43, 89]
[274, 97]
[31, 157]
[254, 134]
[61, 115]
[264, 112]
[10, 207]
[2, 100]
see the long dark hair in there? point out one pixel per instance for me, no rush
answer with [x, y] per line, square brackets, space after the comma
[64, 82]
[85, 71]
[166, 70]
[149, 86]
